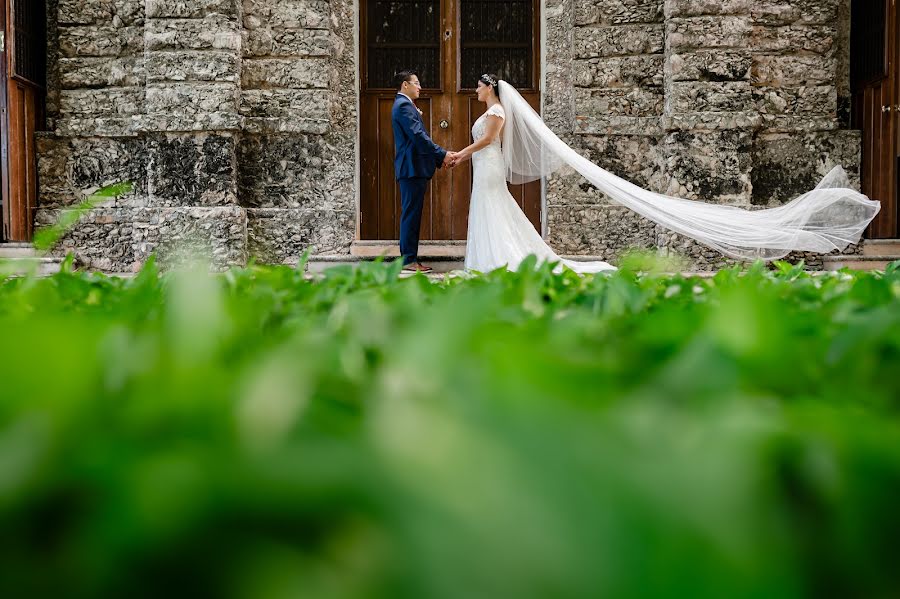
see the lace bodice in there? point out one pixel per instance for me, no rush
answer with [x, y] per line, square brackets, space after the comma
[481, 123]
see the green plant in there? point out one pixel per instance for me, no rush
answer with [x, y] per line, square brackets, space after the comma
[259, 434]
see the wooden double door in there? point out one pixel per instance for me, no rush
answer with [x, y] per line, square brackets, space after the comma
[875, 84]
[22, 76]
[450, 43]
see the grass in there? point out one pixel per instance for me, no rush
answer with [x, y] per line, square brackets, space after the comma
[257, 434]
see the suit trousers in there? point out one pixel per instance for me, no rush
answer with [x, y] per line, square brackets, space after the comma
[412, 199]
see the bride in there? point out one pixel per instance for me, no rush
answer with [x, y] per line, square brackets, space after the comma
[830, 217]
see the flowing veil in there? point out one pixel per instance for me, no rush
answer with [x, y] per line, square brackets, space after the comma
[829, 217]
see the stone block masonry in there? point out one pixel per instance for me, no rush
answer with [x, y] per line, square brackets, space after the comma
[731, 101]
[234, 119]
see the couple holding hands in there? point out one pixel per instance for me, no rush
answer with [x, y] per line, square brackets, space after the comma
[416, 158]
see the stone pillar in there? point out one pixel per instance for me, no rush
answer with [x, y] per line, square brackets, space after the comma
[605, 97]
[192, 58]
[147, 93]
[800, 64]
[298, 157]
[710, 116]
[95, 99]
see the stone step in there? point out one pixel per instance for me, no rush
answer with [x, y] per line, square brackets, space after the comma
[858, 262]
[440, 264]
[881, 247]
[38, 265]
[16, 249]
[427, 256]
[427, 249]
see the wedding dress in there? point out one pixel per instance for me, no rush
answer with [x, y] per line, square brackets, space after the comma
[499, 232]
[830, 217]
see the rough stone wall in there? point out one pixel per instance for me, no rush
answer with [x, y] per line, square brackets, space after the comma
[234, 120]
[731, 101]
[297, 154]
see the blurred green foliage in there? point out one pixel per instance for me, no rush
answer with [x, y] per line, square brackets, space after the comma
[259, 435]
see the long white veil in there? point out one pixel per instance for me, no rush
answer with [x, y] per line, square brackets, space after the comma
[830, 217]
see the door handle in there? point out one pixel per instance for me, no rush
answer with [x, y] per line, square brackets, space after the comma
[885, 109]
[444, 124]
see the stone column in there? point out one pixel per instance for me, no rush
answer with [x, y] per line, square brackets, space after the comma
[710, 116]
[298, 157]
[192, 57]
[799, 66]
[605, 80]
[96, 96]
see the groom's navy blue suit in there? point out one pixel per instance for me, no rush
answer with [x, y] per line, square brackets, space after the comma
[416, 158]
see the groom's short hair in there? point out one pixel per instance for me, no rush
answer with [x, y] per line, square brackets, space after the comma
[402, 76]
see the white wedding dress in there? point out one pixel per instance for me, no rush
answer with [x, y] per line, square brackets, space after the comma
[827, 218]
[499, 232]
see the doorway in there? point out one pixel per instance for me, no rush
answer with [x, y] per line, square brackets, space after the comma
[22, 87]
[450, 43]
[875, 85]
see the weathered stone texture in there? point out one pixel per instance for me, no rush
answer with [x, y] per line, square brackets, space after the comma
[634, 101]
[216, 234]
[707, 32]
[606, 231]
[191, 107]
[94, 72]
[189, 9]
[296, 171]
[120, 239]
[103, 40]
[281, 235]
[642, 71]
[622, 40]
[214, 32]
[285, 72]
[709, 96]
[618, 12]
[806, 12]
[787, 164]
[108, 101]
[193, 66]
[709, 166]
[710, 66]
[70, 169]
[287, 42]
[816, 39]
[89, 12]
[192, 170]
[284, 111]
[705, 8]
[288, 14]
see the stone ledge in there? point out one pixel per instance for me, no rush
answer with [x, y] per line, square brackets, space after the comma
[120, 239]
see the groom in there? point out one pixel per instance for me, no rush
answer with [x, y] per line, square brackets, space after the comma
[415, 159]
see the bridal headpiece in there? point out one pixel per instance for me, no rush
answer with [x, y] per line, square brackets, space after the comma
[488, 79]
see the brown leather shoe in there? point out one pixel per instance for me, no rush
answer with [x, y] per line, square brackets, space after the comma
[417, 267]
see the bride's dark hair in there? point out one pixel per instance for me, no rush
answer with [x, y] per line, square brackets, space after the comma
[493, 81]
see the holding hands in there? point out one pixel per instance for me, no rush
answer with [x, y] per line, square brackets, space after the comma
[452, 159]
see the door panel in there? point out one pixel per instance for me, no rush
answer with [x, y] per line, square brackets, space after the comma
[449, 59]
[875, 86]
[22, 75]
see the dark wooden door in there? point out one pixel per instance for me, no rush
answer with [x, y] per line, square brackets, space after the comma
[22, 75]
[875, 83]
[450, 43]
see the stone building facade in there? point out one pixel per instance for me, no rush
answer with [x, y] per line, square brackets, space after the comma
[237, 120]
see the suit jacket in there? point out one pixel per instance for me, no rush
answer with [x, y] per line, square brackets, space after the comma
[415, 155]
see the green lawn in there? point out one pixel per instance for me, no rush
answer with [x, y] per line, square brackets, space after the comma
[259, 435]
